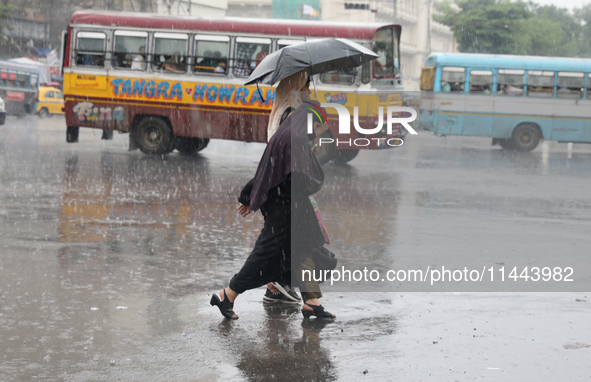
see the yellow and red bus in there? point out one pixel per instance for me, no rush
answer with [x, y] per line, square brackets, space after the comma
[176, 82]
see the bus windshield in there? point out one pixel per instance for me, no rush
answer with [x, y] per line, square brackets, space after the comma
[385, 43]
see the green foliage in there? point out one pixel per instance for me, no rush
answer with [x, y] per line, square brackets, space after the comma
[516, 27]
[5, 17]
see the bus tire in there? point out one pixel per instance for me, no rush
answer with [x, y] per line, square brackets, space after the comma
[347, 155]
[72, 134]
[43, 113]
[526, 137]
[327, 151]
[153, 136]
[188, 146]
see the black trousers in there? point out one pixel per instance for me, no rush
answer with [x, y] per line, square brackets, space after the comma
[270, 259]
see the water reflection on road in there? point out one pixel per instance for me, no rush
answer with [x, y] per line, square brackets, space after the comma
[108, 256]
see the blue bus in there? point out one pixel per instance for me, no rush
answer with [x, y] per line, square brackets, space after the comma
[19, 84]
[515, 100]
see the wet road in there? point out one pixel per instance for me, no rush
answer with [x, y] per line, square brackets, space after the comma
[107, 258]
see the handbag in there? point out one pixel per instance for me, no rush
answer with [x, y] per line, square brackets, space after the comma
[324, 260]
[319, 217]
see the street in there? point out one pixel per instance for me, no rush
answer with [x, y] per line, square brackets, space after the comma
[108, 259]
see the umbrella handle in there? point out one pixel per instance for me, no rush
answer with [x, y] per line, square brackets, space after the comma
[260, 93]
[315, 90]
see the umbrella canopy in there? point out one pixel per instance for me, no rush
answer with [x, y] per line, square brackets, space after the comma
[317, 56]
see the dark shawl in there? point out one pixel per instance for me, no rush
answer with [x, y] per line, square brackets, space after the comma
[286, 152]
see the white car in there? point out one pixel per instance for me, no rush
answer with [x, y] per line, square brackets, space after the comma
[2, 112]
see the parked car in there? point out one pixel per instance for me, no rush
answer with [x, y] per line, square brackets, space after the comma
[50, 101]
[2, 112]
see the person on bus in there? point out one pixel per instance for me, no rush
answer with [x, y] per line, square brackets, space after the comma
[175, 63]
[221, 67]
[139, 60]
[121, 59]
[260, 57]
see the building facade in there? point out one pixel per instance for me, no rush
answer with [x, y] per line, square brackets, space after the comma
[421, 35]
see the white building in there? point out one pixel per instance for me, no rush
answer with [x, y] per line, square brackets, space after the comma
[260, 9]
[198, 8]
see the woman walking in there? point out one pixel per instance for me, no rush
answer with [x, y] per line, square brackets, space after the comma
[287, 175]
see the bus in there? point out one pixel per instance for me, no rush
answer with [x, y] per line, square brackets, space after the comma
[515, 100]
[18, 87]
[176, 82]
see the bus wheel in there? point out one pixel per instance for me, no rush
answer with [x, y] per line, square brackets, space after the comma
[505, 143]
[153, 136]
[43, 113]
[186, 145]
[346, 155]
[525, 137]
[327, 151]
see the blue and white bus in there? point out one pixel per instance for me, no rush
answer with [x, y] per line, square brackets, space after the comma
[19, 86]
[516, 100]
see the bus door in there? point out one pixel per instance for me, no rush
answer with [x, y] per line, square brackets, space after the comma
[570, 119]
[478, 117]
[90, 77]
[452, 100]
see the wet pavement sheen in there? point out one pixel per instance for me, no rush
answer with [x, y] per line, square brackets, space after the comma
[108, 258]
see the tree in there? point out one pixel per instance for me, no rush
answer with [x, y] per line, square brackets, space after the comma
[5, 17]
[505, 27]
[486, 26]
[583, 17]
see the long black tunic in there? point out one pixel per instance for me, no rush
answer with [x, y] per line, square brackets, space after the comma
[290, 233]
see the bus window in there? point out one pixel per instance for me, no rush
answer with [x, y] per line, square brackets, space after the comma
[3, 77]
[365, 73]
[570, 85]
[130, 50]
[90, 49]
[282, 43]
[249, 52]
[428, 78]
[211, 54]
[481, 81]
[21, 81]
[345, 76]
[34, 81]
[11, 78]
[170, 52]
[540, 83]
[453, 79]
[589, 86]
[510, 82]
[383, 44]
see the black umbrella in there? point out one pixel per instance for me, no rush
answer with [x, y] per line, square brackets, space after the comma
[316, 56]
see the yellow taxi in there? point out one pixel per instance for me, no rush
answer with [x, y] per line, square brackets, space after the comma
[50, 101]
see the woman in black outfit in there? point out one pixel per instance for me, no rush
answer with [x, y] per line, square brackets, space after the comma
[287, 175]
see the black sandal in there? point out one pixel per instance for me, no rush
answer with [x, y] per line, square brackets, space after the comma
[317, 311]
[225, 306]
